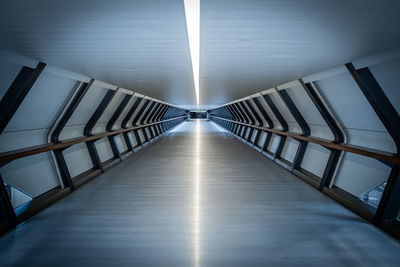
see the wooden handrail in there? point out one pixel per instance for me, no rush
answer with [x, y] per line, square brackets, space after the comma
[367, 152]
[24, 152]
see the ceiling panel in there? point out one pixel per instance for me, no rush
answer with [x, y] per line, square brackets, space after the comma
[246, 45]
[249, 45]
[140, 45]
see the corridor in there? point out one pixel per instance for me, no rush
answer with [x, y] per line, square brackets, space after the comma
[197, 197]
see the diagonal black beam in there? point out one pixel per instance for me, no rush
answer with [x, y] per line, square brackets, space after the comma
[301, 149]
[77, 98]
[149, 114]
[87, 131]
[17, 92]
[378, 101]
[282, 122]
[131, 111]
[155, 118]
[136, 119]
[249, 119]
[7, 213]
[144, 119]
[125, 121]
[111, 122]
[257, 118]
[118, 112]
[236, 127]
[241, 119]
[389, 204]
[338, 136]
[58, 154]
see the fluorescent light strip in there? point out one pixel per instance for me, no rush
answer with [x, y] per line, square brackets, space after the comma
[192, 10]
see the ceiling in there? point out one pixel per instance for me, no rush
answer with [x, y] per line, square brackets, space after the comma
[138, 45]
[246, 45]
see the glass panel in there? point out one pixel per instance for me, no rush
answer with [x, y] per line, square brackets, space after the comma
[17, 197]
[373, 196]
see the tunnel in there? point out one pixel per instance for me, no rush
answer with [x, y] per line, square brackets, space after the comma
[199, 133]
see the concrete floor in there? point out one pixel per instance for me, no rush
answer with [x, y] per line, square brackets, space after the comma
[197, 197]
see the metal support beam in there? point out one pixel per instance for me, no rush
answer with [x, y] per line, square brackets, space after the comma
[149, 113]
[245, 119]
[389, 205]
[17, 92]
[282, 122]
[338, 135]
[249, 119]
[378, 101]
[301, 149]
[82, 90]
[136, 119]
[240, 117]
[269, 122]
[55, 134]
[111, 122]
[153, 130]
[125, 121]
[257, 121]
[144, 118]
[63, 168]
[7, 213]
[233, 113]
[91, 146]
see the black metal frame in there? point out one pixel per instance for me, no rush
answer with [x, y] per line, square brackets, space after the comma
[58, 154]
[136, 119]
[111, 122]
[249, 119]
[282, 122]
[126, 120]
[87, 131]
[258, 121]
[17, 92]
[146, 115]
[338, 136]
[269, 122]
[7, 213]
[305, 129]
[389, 205]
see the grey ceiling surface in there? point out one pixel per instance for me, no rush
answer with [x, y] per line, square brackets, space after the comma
[246, 45]
[138, 45]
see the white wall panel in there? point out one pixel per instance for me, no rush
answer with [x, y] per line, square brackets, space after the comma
[104, 149]
[32, 175]
[309, 112]
[289, 149]
[315, 159]
[101, 124]
[280, 105]
[118, 123]
[387, 74]
[274, 143]
[355, 112]
[119, 139]
[82, 114]
[30, 123]
[271, 115]
[359, 174]
[78, 159]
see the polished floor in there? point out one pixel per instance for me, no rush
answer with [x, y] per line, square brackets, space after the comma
[197, 197]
